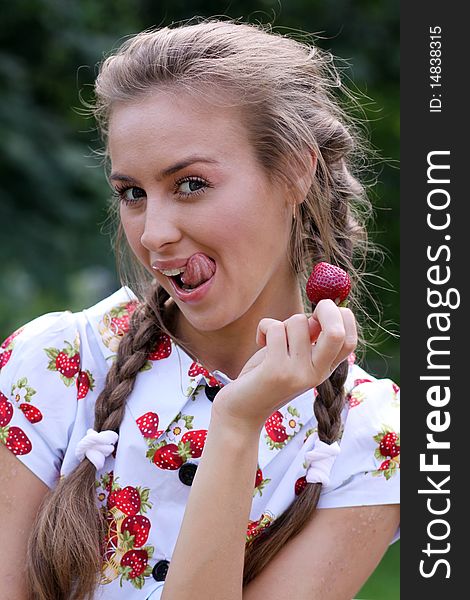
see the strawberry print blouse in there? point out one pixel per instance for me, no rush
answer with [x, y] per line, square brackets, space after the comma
[52, 371]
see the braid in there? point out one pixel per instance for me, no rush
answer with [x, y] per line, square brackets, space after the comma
[329, 404]
[132, 354]
[64, 558]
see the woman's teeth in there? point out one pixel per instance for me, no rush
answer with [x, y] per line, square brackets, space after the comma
[172, 272]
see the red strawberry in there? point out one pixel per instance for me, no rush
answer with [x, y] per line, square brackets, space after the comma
[300, 485]
[167, 457]
[85, 383]
[127, 500]
[385, 465]
[388, 445]
[148, 425]
[6, 410]
[32, 413]
[196, 439]
[137, 561]
[328, 282]
[67, 366]
[162, 348]
[138, 526]
[18, 442]
[395, 387]
[274, 428]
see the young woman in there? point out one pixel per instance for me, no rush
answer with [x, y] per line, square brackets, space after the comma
[205, 434]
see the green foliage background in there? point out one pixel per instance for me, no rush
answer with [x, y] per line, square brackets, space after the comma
[55, 251]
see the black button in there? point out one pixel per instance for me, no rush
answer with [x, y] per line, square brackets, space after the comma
[160, 570]
[186, 473]
[212, 391]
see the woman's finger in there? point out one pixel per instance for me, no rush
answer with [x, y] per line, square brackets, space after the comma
[350, 337]
[298, 337]
[331, 339]
[272, 334]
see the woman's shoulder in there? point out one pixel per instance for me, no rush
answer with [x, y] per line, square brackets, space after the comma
[68, 329]
[52, 370]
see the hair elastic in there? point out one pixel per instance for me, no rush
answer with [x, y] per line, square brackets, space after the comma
[320, 461]
[96, 446]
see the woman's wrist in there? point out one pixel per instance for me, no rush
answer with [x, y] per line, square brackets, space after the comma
[222, 417]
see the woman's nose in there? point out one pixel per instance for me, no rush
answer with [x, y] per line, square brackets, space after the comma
[160, 226]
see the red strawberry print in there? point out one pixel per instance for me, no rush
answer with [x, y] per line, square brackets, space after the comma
[4, 357]
[255, 527]
[148, 425]
[32, 413]
[260, 482]
[388, 468]
[388, 445]
[359, 381]
[136, 563]
[168, 457]
[395, 387]
[275, 429]
[17, 441]
[258, 477]
[6, 347]
[162, 348]
[355, 398]
[65, 361]
[197, 369]
[196, 439]
[328, 282]
[11, 337]
[389, 448]
[300, 485]
[6, 410]
[139, 527]
[68, 366]
[126, 500]
[120, 317]
[85, 383]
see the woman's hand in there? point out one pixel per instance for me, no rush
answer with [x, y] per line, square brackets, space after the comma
[295, 355]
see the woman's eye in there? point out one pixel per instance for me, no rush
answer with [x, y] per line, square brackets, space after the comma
[190, 186]
[129, 195]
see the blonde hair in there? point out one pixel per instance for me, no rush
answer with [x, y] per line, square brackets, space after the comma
[288, 90]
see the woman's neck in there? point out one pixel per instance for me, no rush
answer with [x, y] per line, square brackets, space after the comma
[228, 349]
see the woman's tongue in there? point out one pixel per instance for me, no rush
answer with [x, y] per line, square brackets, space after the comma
[199, 269]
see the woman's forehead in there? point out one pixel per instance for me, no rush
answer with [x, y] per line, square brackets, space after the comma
[175, 125]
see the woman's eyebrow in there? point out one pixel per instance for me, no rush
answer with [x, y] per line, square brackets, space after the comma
[170, 170]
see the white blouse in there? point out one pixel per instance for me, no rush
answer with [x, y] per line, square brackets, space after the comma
[52, 371]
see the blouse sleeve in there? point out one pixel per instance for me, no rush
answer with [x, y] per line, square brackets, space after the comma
[38, 391]
[367, 470]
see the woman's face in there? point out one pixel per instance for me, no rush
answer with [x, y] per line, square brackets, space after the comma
[194, 186]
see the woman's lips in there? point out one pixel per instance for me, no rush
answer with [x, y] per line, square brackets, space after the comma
[194, 295]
